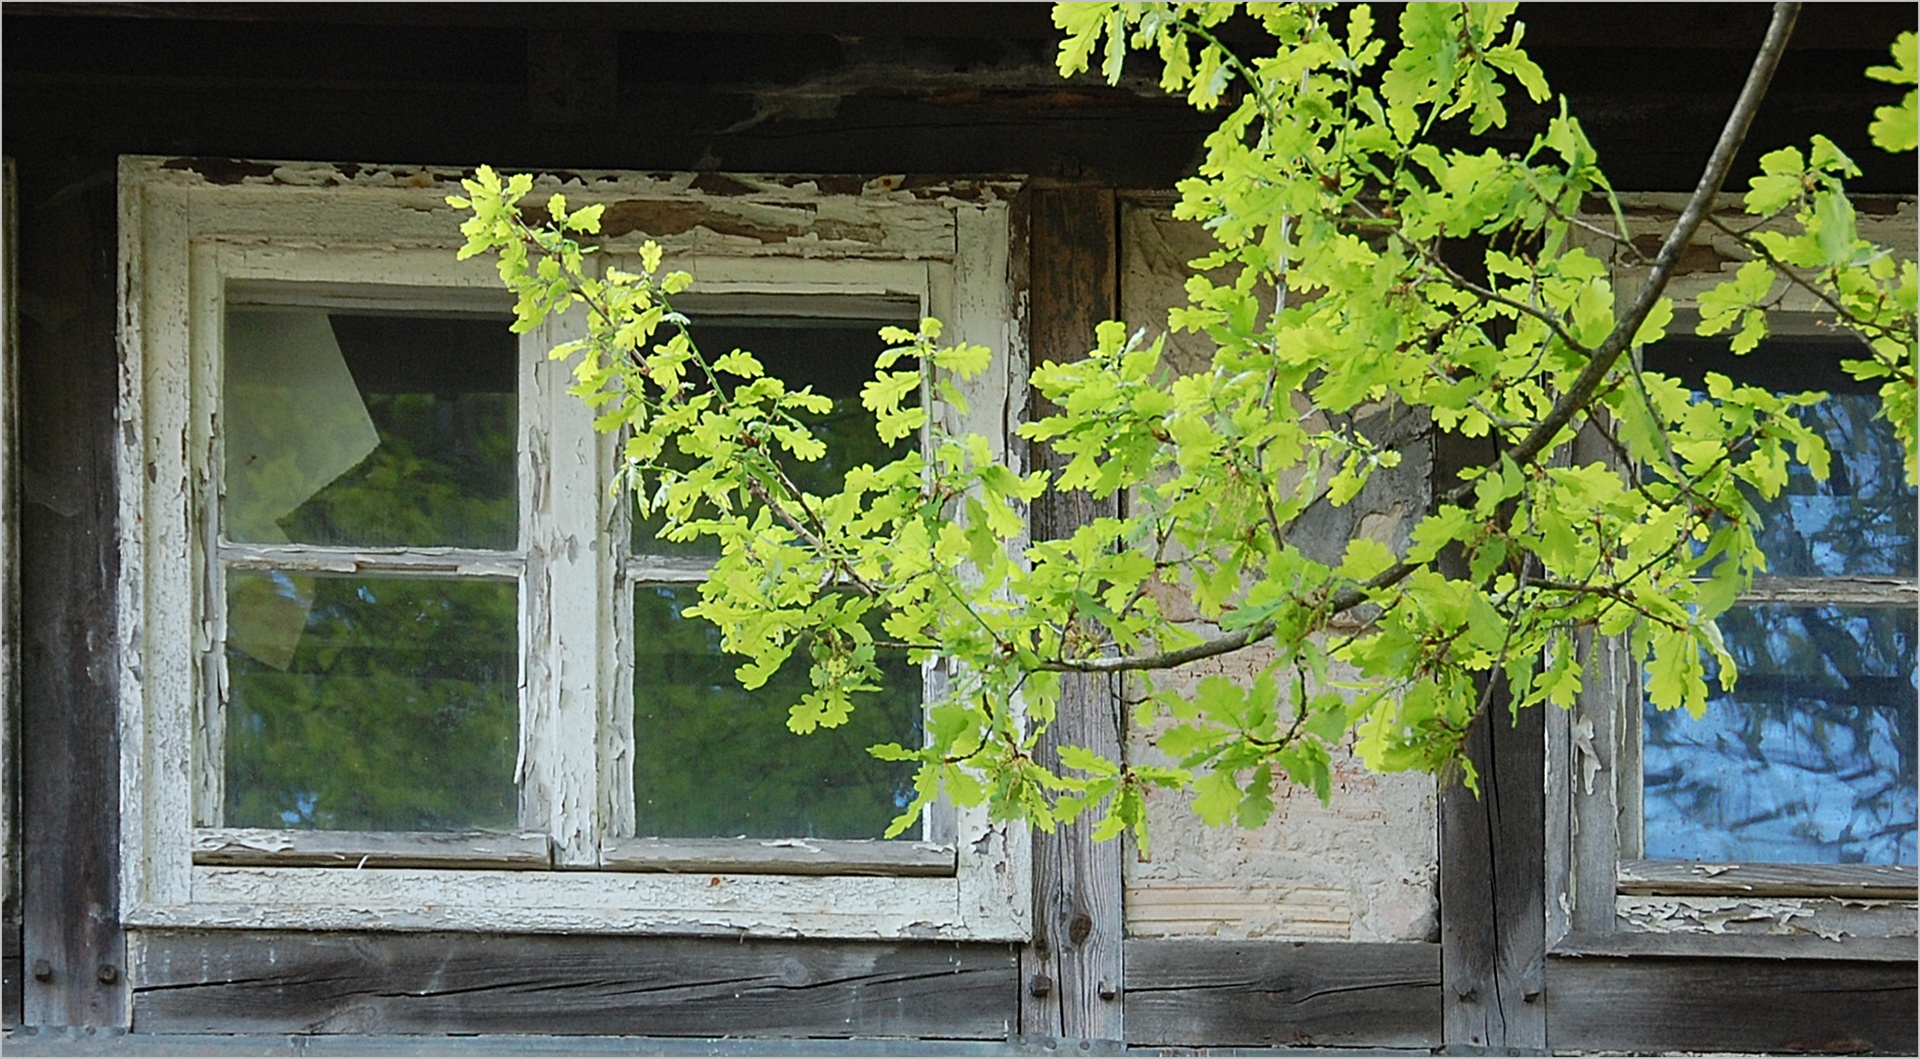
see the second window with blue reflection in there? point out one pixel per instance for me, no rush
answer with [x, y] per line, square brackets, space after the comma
[1811, 758]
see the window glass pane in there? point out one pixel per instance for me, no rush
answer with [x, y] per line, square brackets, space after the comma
[835, 356]
[369, 430]
[1810, 760]
[371, 703]
[1860, 521]
[714, 760]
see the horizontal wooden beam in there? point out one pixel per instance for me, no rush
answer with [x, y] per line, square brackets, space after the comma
[47, 1041]
[248, 847]
[1769, 880]
[1710, 1004]
[783, 856]
[247, 981]
[1647, 943]
[1197, 992]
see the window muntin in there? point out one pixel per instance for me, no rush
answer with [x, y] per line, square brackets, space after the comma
[1811, 758]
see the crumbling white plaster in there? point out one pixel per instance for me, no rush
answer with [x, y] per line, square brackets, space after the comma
[1361, 868]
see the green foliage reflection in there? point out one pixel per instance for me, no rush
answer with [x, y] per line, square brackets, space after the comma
[713, 759]
[397, 712]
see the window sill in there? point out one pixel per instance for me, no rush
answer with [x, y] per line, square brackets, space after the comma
[1687, 879]
[781, 856]
[237, 847]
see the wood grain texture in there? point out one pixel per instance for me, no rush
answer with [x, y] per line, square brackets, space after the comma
[10, 965]
[11, 968]
[291, 982]
[74, 1042]
[785, 856]
[1828, 591]
[1492, 885]
[1768, 880]
[1624, 943]
[1722, 1005]
[1492, 855]
[261, 847]
[69, 748]
[1071, 973]
[1195, 993]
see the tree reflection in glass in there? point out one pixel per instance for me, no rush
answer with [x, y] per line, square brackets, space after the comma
[370, 703]
[1811, 759]
[396, 712]
[711, 758]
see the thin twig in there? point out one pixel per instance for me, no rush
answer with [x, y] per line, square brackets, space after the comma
[1575, 400]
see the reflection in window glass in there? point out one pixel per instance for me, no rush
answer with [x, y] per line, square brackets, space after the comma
[1859, 522]
[834, 356]
[381, 704]
[1810, 760]
[369, 430]
[714, 760]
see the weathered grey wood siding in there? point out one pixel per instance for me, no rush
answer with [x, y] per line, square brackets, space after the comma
[851, 91]
[291, 982]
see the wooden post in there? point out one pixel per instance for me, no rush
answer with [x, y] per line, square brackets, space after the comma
[74, 952]
[1070, 975]
[1492, 861]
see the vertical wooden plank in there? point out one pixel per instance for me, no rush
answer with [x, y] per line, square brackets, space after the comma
[70, 566]
[1071, 972]
[10, 995]
[1492, 861]
[1492, 915]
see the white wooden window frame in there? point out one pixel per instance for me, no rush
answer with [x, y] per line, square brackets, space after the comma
[1604, 896]
[356, 232]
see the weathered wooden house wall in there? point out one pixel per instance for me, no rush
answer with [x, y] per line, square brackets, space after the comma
[1403, 916]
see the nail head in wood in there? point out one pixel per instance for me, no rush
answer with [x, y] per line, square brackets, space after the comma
[42, 971]
[1106, 991]
[109, 974]
[1040, 985]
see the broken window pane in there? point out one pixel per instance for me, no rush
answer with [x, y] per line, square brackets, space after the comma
[714, 760]
[1811, 759]
[362, 429]
[831, 354]
[394, 709]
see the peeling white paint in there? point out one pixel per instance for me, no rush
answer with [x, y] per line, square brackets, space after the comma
[338, 232]
[1829, 918]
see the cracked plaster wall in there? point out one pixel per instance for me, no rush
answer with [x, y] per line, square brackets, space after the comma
[1362, 868]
